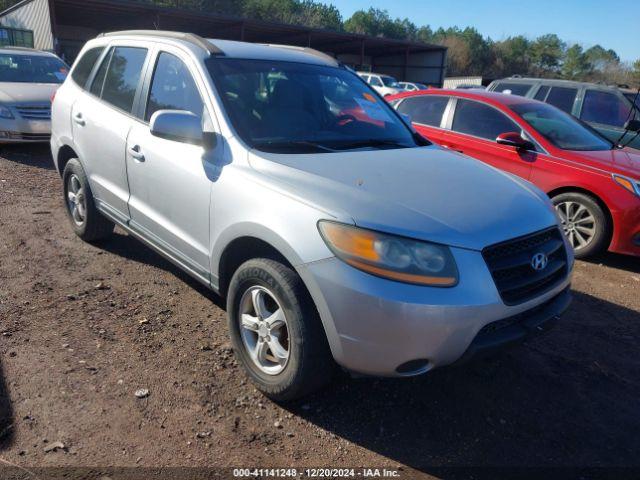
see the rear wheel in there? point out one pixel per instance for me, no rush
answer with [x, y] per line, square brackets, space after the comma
[85, 218]
[584, 222]
[276, 332]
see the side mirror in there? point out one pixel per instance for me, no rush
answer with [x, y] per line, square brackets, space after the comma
[178, 125]
[632, 126]
[515, 140]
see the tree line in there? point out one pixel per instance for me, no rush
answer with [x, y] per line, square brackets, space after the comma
[469, 52]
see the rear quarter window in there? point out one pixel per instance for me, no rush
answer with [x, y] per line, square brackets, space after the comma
[84, 66]
[520, 89]
[425, 110]
[605, 108]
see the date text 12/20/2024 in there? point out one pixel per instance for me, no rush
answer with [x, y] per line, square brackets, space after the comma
[316, 473]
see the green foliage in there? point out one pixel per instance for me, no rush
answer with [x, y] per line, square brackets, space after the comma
[512, 56]
[635, 72]
[379, 24]
[546, 53]
[4, 4]
[601, 59]
[296, 12]
[575, 65]
[468, 52]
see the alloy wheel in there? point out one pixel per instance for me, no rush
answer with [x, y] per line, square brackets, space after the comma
[264, 330]
[578, 222]
[76, 200]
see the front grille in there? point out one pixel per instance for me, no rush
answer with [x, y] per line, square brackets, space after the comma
[511, 269]
[35, 112]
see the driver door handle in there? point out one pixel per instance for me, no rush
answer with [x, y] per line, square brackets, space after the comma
[136, 153]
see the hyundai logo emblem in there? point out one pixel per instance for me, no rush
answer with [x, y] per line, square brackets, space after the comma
[539, 261]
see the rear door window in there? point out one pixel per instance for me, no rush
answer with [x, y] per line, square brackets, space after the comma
[425, 110]
[480, 120]
[121, 77]
[562, 98]
[514, 88]
[605, 108]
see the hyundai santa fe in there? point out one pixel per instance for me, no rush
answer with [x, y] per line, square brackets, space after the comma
[278, 178]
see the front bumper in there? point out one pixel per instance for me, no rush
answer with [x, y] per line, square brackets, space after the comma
[511, 331]
[20, 130]
[385, 328]
[626, 231]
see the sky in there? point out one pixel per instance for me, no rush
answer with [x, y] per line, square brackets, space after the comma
[612, 23]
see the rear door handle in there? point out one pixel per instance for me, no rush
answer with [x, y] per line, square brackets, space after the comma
[79, 120]
[136, 154]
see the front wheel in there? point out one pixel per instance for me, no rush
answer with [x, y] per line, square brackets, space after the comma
[276, 332]
[584, 222]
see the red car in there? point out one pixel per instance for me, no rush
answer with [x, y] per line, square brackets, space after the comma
[593, 184]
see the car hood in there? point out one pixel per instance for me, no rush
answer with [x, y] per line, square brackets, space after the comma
[625, 161]
[424, 193]
[18, 93]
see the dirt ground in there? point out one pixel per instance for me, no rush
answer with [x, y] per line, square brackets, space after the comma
[83, 327]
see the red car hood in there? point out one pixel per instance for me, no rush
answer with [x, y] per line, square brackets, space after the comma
[625, 161]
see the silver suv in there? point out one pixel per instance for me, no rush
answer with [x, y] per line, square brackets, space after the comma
[278, 178]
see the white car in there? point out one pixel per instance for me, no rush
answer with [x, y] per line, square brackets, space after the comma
[28, 80]
[385, 85]
[412, 86]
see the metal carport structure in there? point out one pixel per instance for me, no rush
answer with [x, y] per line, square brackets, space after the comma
[73, 22]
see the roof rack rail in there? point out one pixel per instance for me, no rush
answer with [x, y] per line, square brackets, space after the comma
[187, 37]
[307, 50]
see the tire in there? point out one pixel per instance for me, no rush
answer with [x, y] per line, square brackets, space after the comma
[309, 365]
[587, 222]
[86, 221]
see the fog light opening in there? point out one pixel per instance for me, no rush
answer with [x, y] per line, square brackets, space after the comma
[636, 239]
[413, 367]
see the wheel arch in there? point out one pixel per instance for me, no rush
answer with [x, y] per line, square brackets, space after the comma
[65, 154]
[597, 198]
[265, 243]
[240, 250]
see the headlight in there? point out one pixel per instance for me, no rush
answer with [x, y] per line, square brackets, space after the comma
[627, 183]
[5, 113]
[388, 256]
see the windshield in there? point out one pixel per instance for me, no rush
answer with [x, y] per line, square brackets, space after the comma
[561, 129]
[287, 107]
[390, 82]
[32, 69]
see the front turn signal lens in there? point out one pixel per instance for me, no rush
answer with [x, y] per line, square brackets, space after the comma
[389, 256]
[627, 183]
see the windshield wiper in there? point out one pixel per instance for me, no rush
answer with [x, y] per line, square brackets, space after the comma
[277, 144]
[373, 142]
